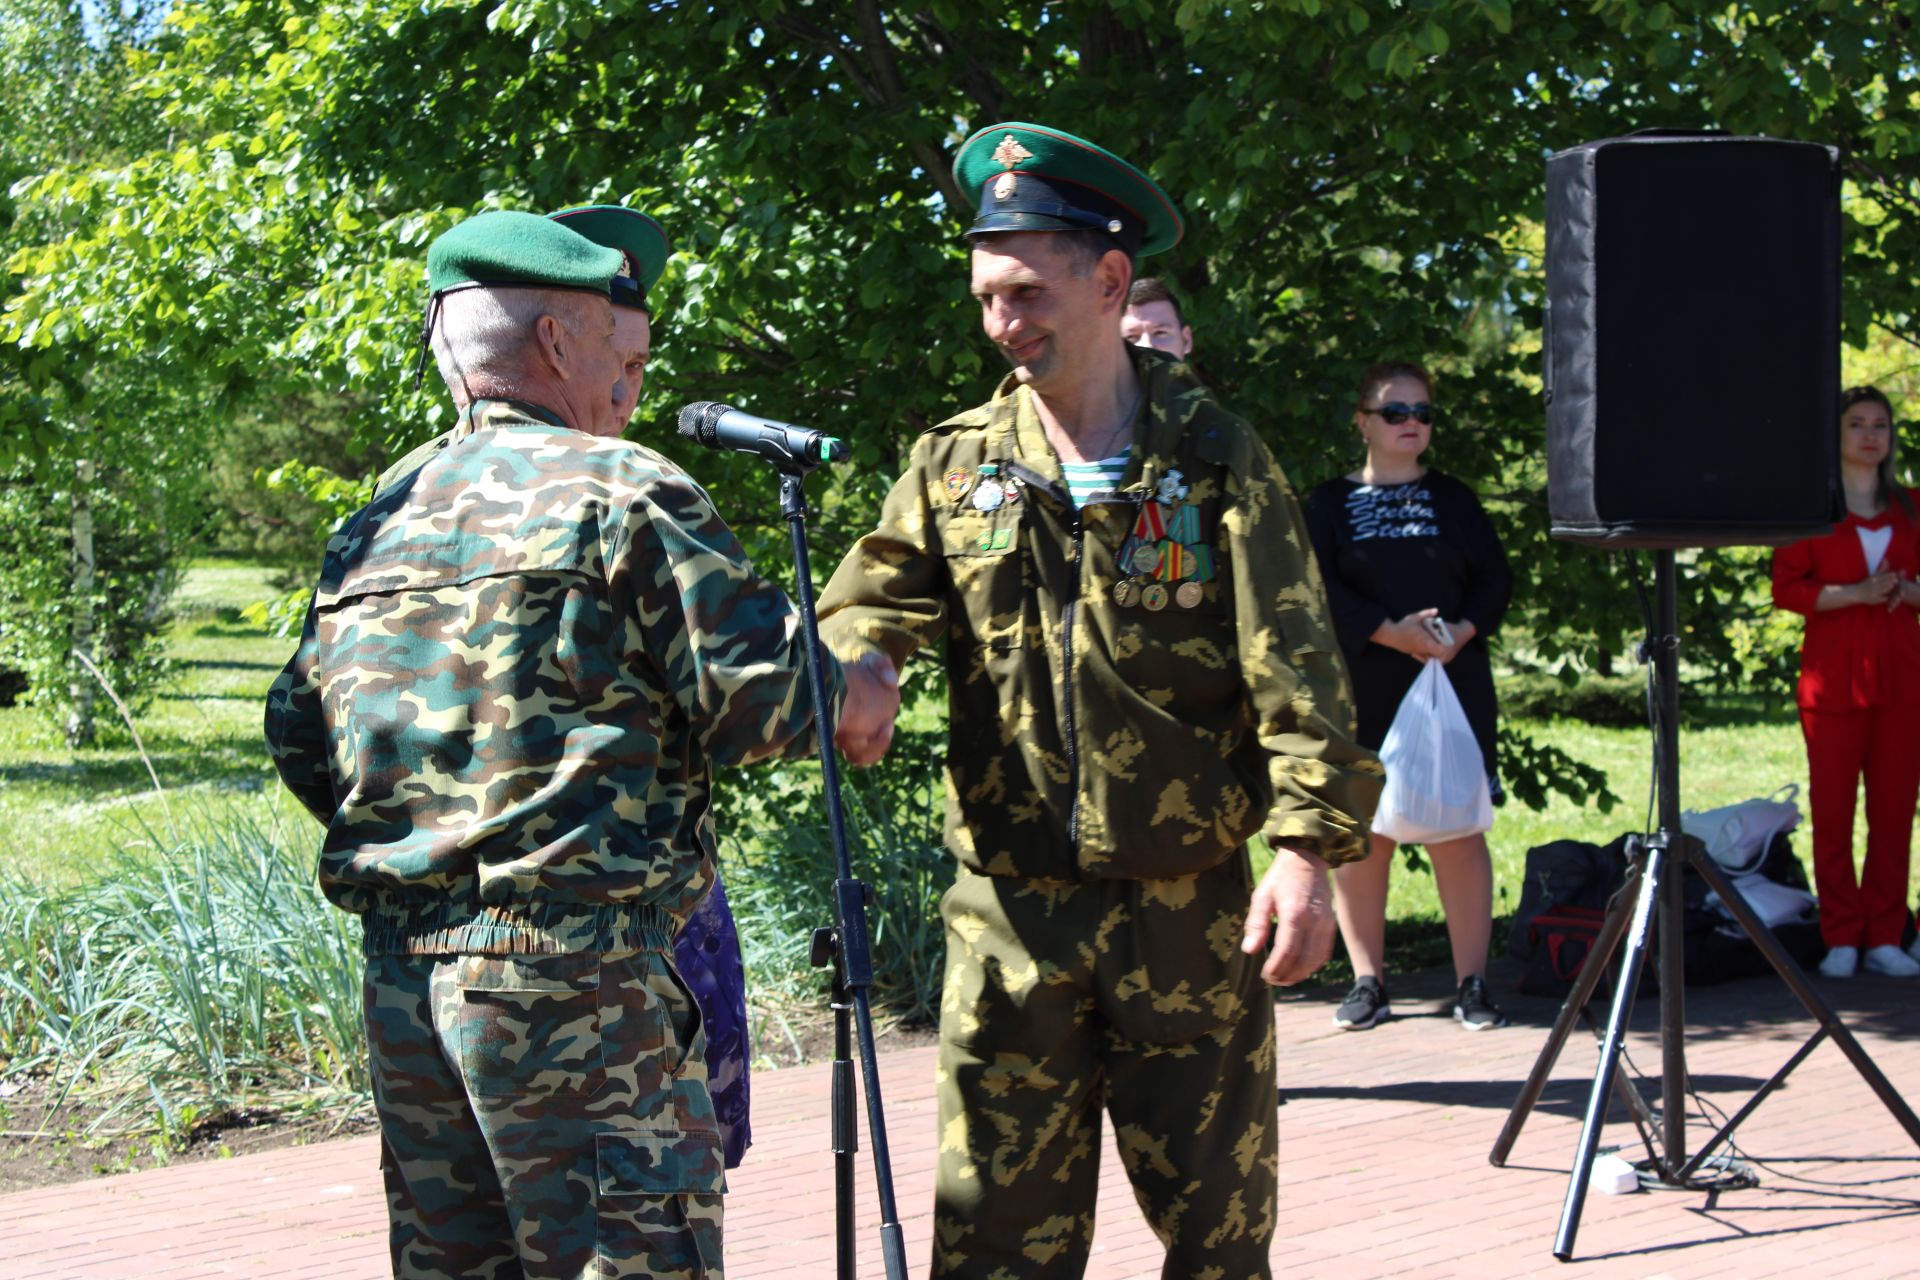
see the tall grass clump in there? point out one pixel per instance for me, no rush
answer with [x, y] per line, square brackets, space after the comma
[777, 857]
[196, 974]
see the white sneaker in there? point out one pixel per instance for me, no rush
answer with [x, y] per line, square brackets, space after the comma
[1891, 962]
[1840, 962]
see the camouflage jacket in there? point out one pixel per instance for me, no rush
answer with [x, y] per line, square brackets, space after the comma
[1093, 737]
[517, 672]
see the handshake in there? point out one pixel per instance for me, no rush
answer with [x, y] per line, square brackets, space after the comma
[865, 730]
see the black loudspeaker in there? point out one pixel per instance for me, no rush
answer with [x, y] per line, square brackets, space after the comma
[1692, 343]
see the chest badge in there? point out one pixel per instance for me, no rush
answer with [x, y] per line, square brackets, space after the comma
[958, 481]
[989, 496]
[1172, 488]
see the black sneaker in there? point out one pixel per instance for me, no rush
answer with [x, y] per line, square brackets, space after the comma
[1364, 1006]
[1474, 1009]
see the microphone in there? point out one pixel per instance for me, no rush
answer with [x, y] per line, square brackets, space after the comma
[721, 426]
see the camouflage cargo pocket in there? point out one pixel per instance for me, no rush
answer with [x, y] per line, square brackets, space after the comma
[659, 1199]
[530, 1025]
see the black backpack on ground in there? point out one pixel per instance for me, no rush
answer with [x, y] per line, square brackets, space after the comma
[1562, 904]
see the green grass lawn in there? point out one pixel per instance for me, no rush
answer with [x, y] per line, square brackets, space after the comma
[62, 811]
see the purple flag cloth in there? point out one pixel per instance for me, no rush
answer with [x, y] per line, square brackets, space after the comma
[707, 954]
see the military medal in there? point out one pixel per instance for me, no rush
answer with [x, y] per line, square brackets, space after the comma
[1152, 524]
[1146, 558]
[1154, 596]
[1125, 593]
[1184, 524]
[989, 493]
[1189, 594]
[1170, 489]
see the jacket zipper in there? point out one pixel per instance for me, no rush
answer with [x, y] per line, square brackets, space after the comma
[1066, 685]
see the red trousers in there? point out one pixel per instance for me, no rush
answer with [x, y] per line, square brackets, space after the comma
[1883, 744]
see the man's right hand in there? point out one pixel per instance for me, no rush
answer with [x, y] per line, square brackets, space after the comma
[865, 730]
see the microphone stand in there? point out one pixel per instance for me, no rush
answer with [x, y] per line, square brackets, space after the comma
[847, 946]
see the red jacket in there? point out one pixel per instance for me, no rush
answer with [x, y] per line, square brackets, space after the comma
[1863, 655]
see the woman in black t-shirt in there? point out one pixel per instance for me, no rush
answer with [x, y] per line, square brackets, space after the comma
[1401, 545]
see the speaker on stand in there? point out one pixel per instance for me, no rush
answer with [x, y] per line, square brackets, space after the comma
[1692, 354]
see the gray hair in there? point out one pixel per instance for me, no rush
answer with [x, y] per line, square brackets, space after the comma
[481, 337]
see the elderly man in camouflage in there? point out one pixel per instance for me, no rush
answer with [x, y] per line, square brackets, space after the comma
[1141, 676]
[520, 665]
[706, 951]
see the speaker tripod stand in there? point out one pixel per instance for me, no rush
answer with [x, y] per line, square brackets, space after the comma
[1653, 890]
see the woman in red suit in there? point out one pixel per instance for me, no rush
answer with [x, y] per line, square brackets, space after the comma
[1859, 692]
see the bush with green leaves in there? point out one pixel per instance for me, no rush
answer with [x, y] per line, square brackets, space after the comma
[777, 860]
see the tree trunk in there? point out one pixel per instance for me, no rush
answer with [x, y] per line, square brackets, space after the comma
[83, 688]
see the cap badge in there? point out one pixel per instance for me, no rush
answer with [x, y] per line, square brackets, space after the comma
[629, 265]
[1010, 153]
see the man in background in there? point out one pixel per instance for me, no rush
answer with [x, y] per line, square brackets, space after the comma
[1153, 319]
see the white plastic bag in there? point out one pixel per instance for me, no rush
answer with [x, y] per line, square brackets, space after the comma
[1739, 835]
[1436, 781]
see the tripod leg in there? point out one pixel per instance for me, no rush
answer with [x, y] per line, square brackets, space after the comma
[1796, 980]
[1592, 971]
[1752, 1105]
[1636, 958]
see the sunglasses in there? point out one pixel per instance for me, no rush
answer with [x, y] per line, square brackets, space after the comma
[1396, 413]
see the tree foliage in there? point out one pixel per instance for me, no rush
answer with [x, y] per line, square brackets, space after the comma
[1362, 178]
[99, 440]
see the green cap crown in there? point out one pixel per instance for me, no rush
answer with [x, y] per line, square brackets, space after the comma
[525, 249]
[1028, 177]
[641, 240]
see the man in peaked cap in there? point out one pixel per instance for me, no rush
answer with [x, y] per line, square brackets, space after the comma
[521, 664]
[1142, 677]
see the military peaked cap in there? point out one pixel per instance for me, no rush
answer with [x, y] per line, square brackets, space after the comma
[1027, 177]
[641, 240]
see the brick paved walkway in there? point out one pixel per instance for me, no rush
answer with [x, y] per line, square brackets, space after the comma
[1384, 1140]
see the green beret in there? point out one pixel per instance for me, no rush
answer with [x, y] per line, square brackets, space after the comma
[518, 249]
[642, 243]
[1027, 177]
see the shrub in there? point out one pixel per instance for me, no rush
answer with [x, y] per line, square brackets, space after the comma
[203, 974]
[777, 857]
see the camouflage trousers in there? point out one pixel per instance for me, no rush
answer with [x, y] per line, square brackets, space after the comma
[1063, 999]
[543, 1116]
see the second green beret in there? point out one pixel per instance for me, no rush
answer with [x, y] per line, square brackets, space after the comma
[641, 240]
